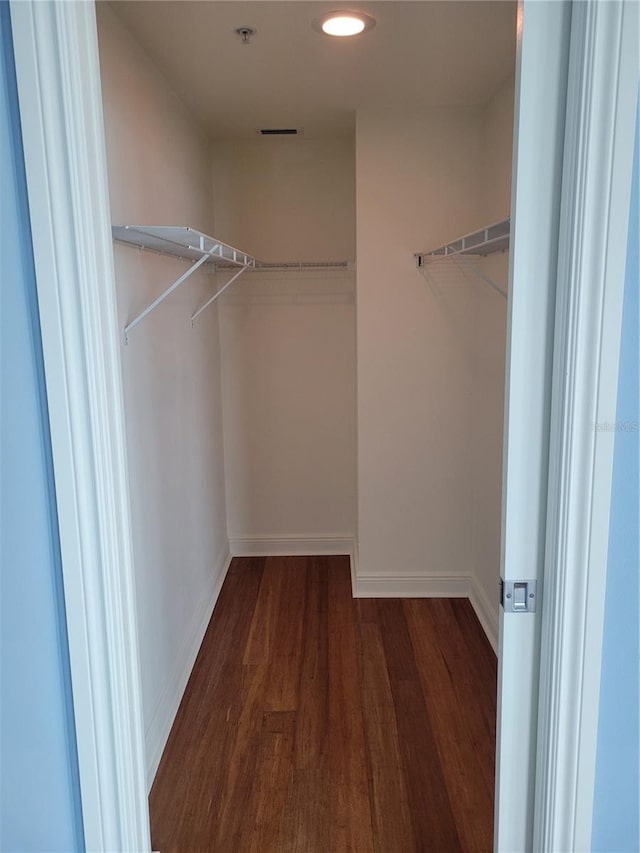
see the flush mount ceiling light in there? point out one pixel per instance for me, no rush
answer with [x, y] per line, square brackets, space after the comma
[344, 24]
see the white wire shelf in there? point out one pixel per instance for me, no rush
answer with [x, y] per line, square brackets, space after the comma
[187, 244]
[303, 266]
[460, 253]
[181, 242]
[485, 241]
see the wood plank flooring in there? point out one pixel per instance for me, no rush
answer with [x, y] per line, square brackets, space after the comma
[316, 723]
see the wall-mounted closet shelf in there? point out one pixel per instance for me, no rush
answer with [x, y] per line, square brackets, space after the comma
[309, 266]
[180, 242]
[189, 245]
[485, 241]
[481, 243]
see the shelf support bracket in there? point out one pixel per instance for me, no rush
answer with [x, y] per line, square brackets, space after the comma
[185, 275]
[476, 269]
[220, 292]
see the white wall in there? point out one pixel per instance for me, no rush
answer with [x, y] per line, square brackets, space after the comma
[419, 180]
[498, 145]
[489, 360]
[159, 173]
[286, 199]
[430, 353]
[288, 345]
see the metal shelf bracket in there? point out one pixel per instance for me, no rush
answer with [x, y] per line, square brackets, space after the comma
[176, 284]
[485, 241]
[191, 245]
[184, 243]
[218, 293]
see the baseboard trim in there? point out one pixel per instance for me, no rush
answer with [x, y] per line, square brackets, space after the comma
[353, 563]
[158, 729]
[369, 586]
[420, 586]
[486, 612]
[290, 546]
[412, 586]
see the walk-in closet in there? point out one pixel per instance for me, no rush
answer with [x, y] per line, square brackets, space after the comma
[311, 246]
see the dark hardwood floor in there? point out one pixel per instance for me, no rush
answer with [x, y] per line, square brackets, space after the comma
[317, 723]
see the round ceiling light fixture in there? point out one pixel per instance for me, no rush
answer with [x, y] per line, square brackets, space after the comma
[344, 24]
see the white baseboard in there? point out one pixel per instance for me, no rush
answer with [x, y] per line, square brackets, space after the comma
[289, 546]
[412, 586]
[353, 562]
[486, 611]
[421, 586]
[157, 731]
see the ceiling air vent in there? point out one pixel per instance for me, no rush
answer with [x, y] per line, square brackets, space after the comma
[280, 131]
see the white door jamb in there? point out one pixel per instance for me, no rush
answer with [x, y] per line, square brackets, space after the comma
[539, 122]
[58, 76]
[596, 185]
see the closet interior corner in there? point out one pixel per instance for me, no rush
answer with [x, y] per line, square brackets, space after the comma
[334, 386]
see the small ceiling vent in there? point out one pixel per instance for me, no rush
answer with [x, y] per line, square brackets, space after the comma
[280, 131]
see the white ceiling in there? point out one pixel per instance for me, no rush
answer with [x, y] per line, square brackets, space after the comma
[421, 53]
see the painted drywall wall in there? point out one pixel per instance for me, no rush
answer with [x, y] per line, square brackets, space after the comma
[288, 344]
[286, 199]
[498, 145]
[419, 185]
[489, 362]
[616, 823]
[159, 173]
[430, 352]
[39, 785]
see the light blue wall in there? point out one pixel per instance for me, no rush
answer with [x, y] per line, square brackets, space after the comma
[39, 790]
[616, 825]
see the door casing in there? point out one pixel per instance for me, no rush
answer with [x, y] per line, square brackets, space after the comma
[544, 29]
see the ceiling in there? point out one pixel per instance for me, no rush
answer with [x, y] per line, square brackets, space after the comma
[421, 53]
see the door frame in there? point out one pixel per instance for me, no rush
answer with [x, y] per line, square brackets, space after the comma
[602, 98]
[539, 120]
[568, 249]
[57, 67]
[57, 70]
